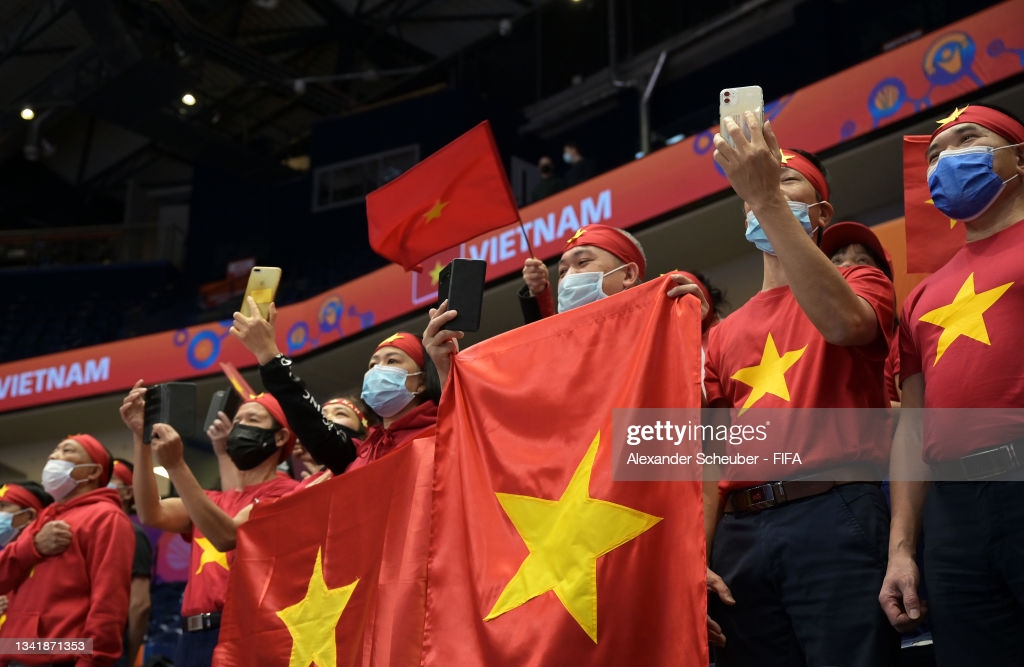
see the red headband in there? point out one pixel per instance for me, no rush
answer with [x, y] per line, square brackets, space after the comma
[123, 473]
[274, 408]
[20, 496]
[989, 118]
[707, 295]
[351, 406]
[406, 342]
[97, 453]
[808, 170]
[611, 239]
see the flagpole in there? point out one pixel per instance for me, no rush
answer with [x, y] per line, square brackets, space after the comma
[526, 237]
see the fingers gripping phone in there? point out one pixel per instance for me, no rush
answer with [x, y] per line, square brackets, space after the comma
[462, 283]
[262, 286]
[733, 102]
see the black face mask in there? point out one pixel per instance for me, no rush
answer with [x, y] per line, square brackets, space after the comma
[249, 446]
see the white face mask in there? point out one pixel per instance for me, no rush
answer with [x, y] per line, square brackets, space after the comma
[579, 289]
[57, 479]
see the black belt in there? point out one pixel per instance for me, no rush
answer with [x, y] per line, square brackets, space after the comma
[774, 494]
[199, 622]
[983, 464]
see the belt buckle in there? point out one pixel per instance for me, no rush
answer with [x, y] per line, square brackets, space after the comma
[765, 497]
[990, 463]
[198, 622]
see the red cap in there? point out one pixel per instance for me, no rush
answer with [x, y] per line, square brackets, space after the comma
[406, 342]
[274, 408]
[807, 169]
[123, 473]
[20, 496]
[611, 239]
[989, 118]
[838, 236]
[97, 452]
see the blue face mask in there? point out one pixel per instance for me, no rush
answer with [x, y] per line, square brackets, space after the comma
[567, 157]
[756, 235]
[579, 289]
[384, 390]
[962, 182]
[7, 530]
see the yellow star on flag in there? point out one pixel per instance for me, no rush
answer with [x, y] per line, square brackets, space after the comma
[952, 222]
[390, 339]
[435, 211]
[957, 112]
[769, 376]
[565, 538]
[210, 555]
[965, 316]
[435, 273]
[3, 619]
[575, 236]
[312, 620]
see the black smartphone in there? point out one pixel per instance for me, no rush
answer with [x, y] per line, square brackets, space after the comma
[223, 400]
[462, 283]
[171, 403]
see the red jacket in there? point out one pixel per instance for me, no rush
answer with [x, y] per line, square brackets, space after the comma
[80, 593]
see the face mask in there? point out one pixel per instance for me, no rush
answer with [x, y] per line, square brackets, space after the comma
[249, 446]
[57, 479]
[756, 235]
[384, 390]
[7, 530]
[567, 157]
[579, 289]
[962, 182]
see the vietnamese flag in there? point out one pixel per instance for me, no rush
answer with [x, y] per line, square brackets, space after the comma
[538, 557]
[335, 574]
[457, 193]
[932, 237]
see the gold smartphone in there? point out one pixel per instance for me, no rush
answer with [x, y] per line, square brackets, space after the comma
[734, 101]
[262, 286]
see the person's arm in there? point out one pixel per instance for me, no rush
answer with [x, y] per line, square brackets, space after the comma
[218, 435]
[440, 343]
[908, 488]
[139, 602]
[535, 297]
[108, 545]
[167, 514]
[215, 524]
[330, 444]
[754, 170]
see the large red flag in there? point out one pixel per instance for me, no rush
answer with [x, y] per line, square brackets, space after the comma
[335, 574]
[932, 237]
[538, 557]
[457, 193]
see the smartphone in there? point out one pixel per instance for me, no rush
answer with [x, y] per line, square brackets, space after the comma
[734, 102]
[171, 403]
[262, 286]
[223, 400]
[462, 283]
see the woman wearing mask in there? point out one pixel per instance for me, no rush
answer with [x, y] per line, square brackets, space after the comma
[401, 386]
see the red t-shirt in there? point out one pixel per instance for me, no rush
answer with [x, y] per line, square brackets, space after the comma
[208, 570]
[961, 329]
[892, 371]
[769, 333]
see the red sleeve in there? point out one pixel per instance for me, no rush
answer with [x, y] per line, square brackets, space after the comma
[871, 285]
[108, 554]
[546, 302]
[19, 557]
[713, 392]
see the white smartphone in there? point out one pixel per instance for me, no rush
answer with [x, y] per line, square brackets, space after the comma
[262, 286]
[732, 102]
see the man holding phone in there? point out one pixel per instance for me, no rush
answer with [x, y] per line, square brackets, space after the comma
[799, 561]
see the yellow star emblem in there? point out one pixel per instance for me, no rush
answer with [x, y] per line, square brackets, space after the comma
[390, 339]
[957, 112]
[769, 376]
[3, 619]
[435, 273]
[965, 316]
[3, 491]
[210, 555]
[565, 538]
[575, 236]
[952, 222]
[786, 157]
[435, 211]
[312, 620]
